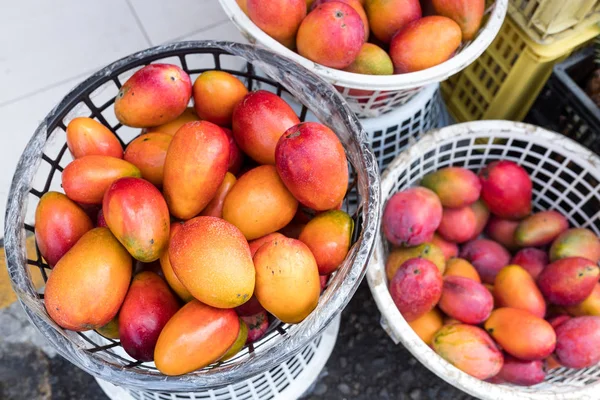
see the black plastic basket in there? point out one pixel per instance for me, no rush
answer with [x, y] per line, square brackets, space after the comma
[563, 106]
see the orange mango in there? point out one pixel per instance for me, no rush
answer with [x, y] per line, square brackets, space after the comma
[167, 269]
[427, 325]
[514, 287]
[216, 93]
[461, 267]
[148, 153]
[87, 137]
[171, 128]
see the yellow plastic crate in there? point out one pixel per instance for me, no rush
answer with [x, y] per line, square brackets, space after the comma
[504, 82]
[549, 21]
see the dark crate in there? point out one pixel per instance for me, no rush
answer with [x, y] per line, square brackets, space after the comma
[563, 106]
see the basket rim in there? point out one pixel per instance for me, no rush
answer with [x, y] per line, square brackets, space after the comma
[279, 352]
[392, 321]
[411, 80]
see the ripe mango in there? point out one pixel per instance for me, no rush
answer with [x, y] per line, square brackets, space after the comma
[468, 14]
[416, 288]
[487, 256]
[458, 224]
[540, 229]
[469, 349]
[215, 207]
[148, 153]
[455, 186]
[287, 279]
[576, 242]
[578, 342]
[371, 60]
[461, 267]
[59, 223]
[400, 255]
[154, 95]
[86, 179]
[216, 94]
[87, 137]
[138, 216]
[409, 49]
[502, 231]
[521, 334]
[589, 306]
[212, 260]
[196, 336]
[332, 34]
[192, 173]
[311, 162]
[259, 203]
[147, 308]
[389, 16]
[449, 249]
[279, 19]
[506, 189]
[167, 269]
[171, 127]
[532, 260]
[88, 284]
[466, 300]
[357, 6]
[568, 281]
[257, 243]
[411, 217]
[427, 325]
[522, 373]
[329, 236]
[482, 214]
[514, 287]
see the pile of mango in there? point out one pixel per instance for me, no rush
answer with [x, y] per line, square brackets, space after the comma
[372, 37]
[506, 306]
[216, 220]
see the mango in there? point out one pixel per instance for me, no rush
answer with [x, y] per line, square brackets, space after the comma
[522, 373]
[86, 179]
[514, 287]
[138, 216]
[411, 217]
[148, 153]
[540, 229]
[455, 186]
[216, 93]
[59, 223]
[192, 173]
[502, 231]
[469, 349]
[287, 279]
[487, 256]
[171, 127]
[239, 343]
[521, 334]
[482, 215]
[371, 60]
[466, 300]
[215, 207]
[386, 17]
[147, 308]
[449, 249]
[468, 14]
[461, 267]
[311, 162]
[279, 19]
[257, 326]
[332, 34]
[400, 255]
[196, 336]
[244, 6]
[88, 137]
[257, 243]
[329, 236]
[259, 203]
[110, 330]
[532, 260]
[589, 306]
[506, 189]
[153, 95]
[458, 224]
[167, 269]
[212, 260]
[89, 283]
[427, 325]
[576, 242]
[568, 281]
[236, 157]
[258, 122]
[357, 6]
[407, 49]
[416, 288]
[251, 307]
[578, 342]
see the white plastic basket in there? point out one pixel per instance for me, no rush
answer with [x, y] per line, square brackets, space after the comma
[290, 380]
[565, 178]
[372, 95]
